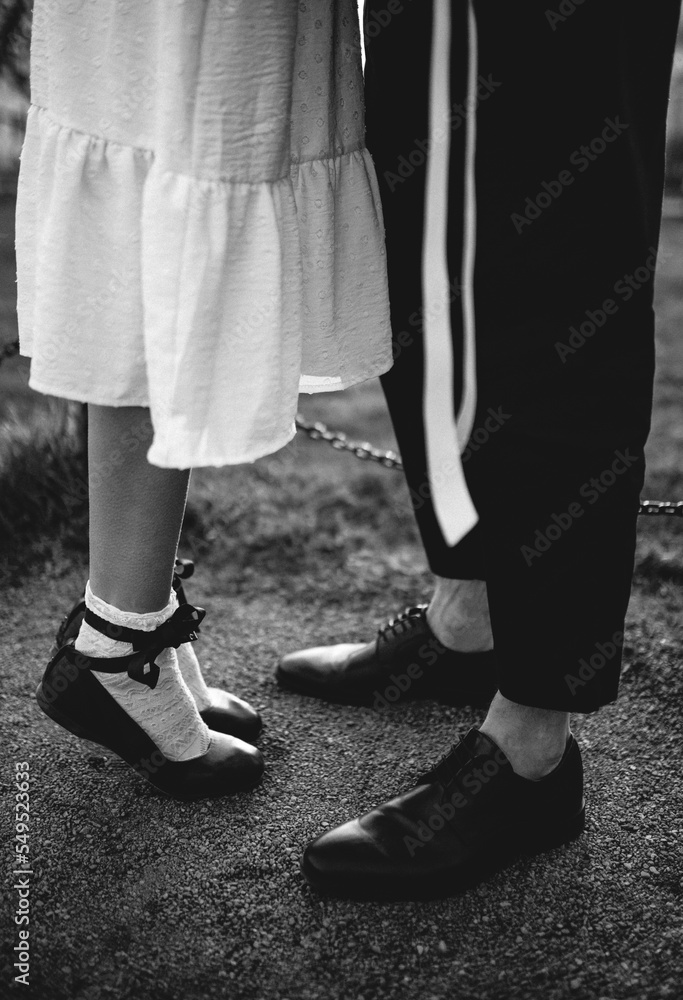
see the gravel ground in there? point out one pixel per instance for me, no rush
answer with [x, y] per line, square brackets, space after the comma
[134, 895]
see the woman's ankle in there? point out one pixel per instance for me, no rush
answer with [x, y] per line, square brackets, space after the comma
[165, 710]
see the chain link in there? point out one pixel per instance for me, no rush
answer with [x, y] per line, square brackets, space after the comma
[672, 508]
[318, 431]
[363, 450]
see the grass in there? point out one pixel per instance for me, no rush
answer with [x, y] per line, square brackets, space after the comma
[40, 462]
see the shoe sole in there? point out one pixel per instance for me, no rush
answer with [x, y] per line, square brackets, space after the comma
[130, 757]
[441, 884]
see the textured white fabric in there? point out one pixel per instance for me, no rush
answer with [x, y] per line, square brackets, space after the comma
[190, 669]
[192, 675]
[167, 713]
[199, 225]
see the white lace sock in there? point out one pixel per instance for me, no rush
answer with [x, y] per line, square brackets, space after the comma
[191, 671]
[458, 615]
[167, 713]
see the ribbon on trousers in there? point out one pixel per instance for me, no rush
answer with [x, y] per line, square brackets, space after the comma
[446, 434]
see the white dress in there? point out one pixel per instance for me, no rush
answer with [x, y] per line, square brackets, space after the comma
[199, 227]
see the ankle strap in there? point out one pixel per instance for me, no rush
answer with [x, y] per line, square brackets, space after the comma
[184, 569]
[182, 626]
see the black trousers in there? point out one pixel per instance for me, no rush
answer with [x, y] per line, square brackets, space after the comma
[570, 117]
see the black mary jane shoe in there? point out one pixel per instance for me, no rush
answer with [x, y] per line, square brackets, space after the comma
[404, 661]
[468, 817]
[227, 713]
[75, 700]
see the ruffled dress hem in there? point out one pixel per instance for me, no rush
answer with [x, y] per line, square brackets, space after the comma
[213, 302]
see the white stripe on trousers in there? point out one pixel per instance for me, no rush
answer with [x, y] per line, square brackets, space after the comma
[445, 435]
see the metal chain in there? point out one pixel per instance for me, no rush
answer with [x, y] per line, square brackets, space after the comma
[673, 508]
[363, 450]
[318, 431]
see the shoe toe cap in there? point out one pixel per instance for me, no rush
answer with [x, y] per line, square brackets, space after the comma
[316, 664]
[233, 762]
[340, 856]
[232, 716]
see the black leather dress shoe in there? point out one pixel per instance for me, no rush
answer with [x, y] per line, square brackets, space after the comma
[75, 700]
[226, 714]
[468, 817]
[406, 660]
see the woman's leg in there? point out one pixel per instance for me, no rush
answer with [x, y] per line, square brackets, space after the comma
[120, 682]
[136, 511]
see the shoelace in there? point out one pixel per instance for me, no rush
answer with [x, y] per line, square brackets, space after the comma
[403, 623]
[448, 765]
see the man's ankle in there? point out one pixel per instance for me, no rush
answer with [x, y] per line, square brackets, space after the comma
[533, 739]
[458, 615]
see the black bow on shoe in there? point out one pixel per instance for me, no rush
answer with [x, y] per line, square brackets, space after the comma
[182, 626]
